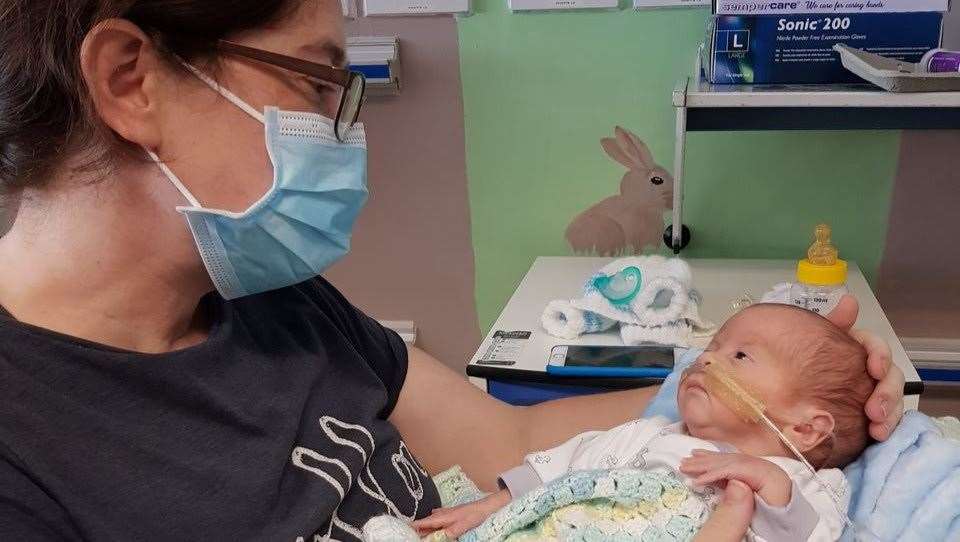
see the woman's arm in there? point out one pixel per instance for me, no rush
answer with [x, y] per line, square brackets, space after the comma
[447, 421]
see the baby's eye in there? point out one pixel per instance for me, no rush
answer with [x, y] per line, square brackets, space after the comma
[741, 355]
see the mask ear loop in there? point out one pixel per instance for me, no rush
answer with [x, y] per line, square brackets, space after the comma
[218, 88]
[174, 179]
[751, 409]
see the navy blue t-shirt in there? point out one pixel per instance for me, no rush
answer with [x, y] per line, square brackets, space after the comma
[275, 428]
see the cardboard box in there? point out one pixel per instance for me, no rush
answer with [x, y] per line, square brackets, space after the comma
[798, 49]
[804, 7]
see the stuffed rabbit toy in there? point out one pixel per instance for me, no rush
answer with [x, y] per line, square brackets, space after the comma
[628, 222]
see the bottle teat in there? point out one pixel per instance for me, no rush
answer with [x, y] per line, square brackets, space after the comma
[822, 251]
[823, 266]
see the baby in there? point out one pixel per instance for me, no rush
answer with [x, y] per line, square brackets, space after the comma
[811, 376]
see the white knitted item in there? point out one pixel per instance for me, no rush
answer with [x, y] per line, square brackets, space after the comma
[671, 334]
[660, 278]
[562, 319]
[665, 310]
[454, 487]
[388, 529]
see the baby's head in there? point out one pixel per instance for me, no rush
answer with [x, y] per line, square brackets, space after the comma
[811, 375]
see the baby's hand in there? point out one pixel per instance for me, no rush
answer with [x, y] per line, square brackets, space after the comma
[763, 477]
[460, 519]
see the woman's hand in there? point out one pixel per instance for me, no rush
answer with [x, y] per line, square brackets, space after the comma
[730, 519]
[460, 519]
[885, 406]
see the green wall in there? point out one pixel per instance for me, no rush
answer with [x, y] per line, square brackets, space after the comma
[540, 90]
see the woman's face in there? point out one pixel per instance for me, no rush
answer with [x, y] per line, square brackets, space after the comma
[215, 148]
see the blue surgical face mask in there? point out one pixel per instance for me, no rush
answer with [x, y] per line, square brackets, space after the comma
[303, 224]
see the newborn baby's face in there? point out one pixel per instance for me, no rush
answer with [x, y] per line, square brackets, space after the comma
[747, 347]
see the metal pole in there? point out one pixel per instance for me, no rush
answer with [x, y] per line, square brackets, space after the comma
[679, 151]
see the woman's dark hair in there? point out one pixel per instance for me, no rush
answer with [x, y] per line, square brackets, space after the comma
[45, 110]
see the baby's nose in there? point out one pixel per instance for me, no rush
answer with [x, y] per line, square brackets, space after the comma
[706, 359]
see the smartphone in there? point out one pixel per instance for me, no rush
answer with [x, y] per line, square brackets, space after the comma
[643, 361]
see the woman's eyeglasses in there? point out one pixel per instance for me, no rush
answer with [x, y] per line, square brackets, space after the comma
[353, 84]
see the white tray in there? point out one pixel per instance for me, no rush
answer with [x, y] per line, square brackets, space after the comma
[895, 75]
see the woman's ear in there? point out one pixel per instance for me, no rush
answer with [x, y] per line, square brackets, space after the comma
[121, 69]
[814, 427]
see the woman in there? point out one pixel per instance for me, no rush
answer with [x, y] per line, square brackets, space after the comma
[177, 380]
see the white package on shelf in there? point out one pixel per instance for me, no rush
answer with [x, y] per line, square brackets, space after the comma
[372, 8]
[548, 5]
[378, 58]
[350, 10]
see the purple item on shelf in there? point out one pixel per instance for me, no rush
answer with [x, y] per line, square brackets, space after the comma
[940, 61]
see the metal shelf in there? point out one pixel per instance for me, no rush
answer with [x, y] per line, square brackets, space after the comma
[701, 106]
[701, 94]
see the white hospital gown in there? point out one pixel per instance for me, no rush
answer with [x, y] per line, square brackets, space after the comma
[655, 443]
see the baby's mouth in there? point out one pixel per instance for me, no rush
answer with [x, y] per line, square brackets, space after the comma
[697, 387]
[693, 382]
[699, 390]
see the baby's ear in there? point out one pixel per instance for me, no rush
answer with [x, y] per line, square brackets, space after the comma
[814, 427]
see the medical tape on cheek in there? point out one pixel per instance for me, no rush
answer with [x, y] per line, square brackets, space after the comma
[731, 393]
[742, 401]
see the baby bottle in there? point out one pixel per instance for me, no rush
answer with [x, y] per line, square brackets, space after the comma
[822, 277]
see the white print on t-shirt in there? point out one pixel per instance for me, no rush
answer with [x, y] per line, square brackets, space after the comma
[341, 479]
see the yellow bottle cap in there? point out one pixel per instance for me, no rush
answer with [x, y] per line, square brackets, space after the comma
[822, 275]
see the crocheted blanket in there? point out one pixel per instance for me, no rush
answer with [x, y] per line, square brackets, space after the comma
[603, 505]
[595, 506]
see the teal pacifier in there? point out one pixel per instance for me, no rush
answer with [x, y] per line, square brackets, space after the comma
[620, 289]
